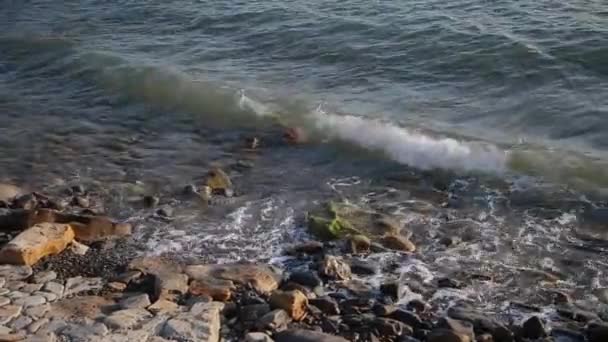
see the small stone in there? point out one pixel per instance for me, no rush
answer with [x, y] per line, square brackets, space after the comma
[38, 311]
[534, 328]
[359, 244]
[81, 201]
[398, 243]
[392, 328]
[309, 279]
[150, 201]
[301, 335]
[50, 297]
[77, 189]
[44, 277]
[14, 272]
[15, 285]
[117, 286]
[30, 301]
[2, 282]
[17, 294]
[4, 292]
[162, 306]
[190, 189]
[577, 315]
[30, 288]
[326, 304]
[36, 325]
[294, 302]
[218, 289]
[461, 328]
[275, 320]
[78, 248]
[128, 277]
[257, 337]
[218, 180]
[85, 332]
[485, 338]
[21, 323]
[79, 284]
[408, 318]
[4, 301]
[359, 288]
[335, 268]
[36, 242]
[135, 302]
[363, 267]
[164, 211]
[125, 319]
[54, 288]
[8, 312]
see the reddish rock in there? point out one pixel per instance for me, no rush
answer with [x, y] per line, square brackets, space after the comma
[37, 242]
[294, 302]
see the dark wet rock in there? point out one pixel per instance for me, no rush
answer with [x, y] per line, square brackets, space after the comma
[252, 142]
[392, 289]
[597, 332]
[326, 304]
[359, 288]
[356, 305]
[533, 328]
[363, 267]
[150, 201]
[387, 327]
[357, 321]
[449, 241]
[461, 328]
[127, 277]
[275, 320]
[444, 335]
[577, 315]
[307, 247]
[482, 323]
[77, 190]
[13, 219]
[253, 312]
[190, 190]
[300, 335]
[81, 201]
[307, 291]
[263, 278]
[449, 283]
[165, 211]
[335, 268]
[564, 334]
[383, 310]
[408, 318]
[306, 278]
[417, 306]
[294, 302]
[27, 202]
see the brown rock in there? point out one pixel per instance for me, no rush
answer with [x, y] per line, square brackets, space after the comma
[91, 307]
[359, 244]
[117, 286]
[335, 268]
[218, 289]
[261, 277]
[98, 228]
[162, 305]
[294, 302]
[218, 180]
[169, 281]
[397, 242]
[37, 242]
[9, 191]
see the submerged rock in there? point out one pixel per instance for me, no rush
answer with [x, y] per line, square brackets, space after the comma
[533, 328]
[37, 242]
[398, 243]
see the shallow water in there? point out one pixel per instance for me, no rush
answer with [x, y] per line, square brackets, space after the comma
[507, 98]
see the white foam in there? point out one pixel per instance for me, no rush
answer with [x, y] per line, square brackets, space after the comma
[408, 147]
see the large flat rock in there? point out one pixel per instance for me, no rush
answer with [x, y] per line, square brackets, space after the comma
[261, 277]
[37, 242]
[202, 325]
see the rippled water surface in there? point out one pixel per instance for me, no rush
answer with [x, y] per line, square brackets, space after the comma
[482, 120]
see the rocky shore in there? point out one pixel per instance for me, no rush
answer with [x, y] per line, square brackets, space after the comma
[70, 273]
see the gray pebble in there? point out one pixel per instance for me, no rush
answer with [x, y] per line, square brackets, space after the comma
[50, 297]
[54, 287]
[44, 277]
[30, 301]
[38, 311]
[16, 295]
[140, 301]
[21, 323]
[36, 325]
[29, 288]
[4, 301]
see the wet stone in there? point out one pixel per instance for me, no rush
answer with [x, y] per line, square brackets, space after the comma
[306, 278]
[408, 318]
[391, 328]
[363, 267]
[577, 315]
[257, 337]
[326, 304]
[30, 288]
[274, 320]
[251, 313]
[449, 283]
[392, 289]
[533, 328]
[597, 332]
